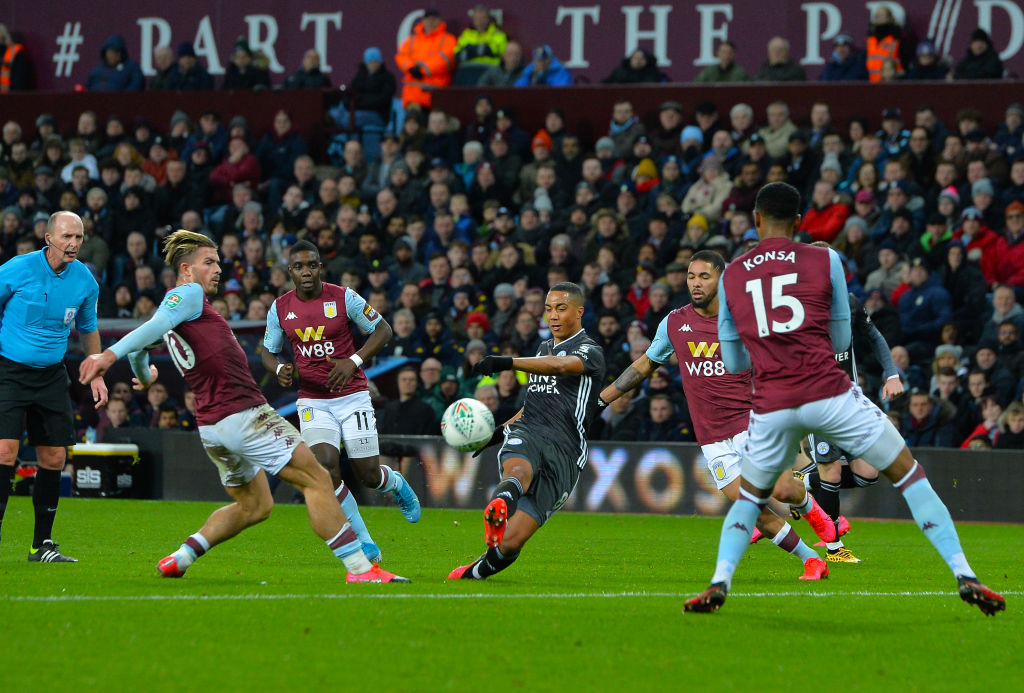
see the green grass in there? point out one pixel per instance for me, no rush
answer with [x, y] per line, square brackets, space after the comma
[594, 603]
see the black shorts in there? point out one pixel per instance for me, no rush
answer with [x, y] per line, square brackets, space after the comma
[822, 451]
[554, 474]
[36, 399]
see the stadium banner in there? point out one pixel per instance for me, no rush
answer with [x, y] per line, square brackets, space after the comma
[590, 38]
[666, 478]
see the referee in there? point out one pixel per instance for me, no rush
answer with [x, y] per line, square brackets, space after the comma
[41, 295]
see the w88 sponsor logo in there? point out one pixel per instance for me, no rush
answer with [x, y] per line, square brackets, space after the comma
[706, 368]
[316, 349]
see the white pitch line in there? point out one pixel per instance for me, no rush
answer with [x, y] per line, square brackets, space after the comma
[567, 595]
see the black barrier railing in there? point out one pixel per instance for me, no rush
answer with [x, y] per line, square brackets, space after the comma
[620, 477]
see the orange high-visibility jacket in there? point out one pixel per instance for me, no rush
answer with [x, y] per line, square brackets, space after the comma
[7, 64]
[878, 51]
[434, 53]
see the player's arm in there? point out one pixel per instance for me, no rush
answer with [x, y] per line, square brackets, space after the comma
[89, 336]
[538, 365]
[839, 323]
[273, 342]
[499, 433]
[370, 321]
[863, 327]
[641, 369]
[181, 304]
[734, 353]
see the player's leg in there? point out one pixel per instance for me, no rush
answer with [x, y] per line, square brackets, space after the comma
[329, 458]
[8, 459]
[249, 488]
[861, 428]
[858, 474]
[516, 477]
[359, 431]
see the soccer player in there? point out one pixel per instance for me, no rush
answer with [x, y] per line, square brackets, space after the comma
[783, 309]
[334, 401]
[545, 445]
[828, 473]
[244, 437]
[719, 404]
[41, 295]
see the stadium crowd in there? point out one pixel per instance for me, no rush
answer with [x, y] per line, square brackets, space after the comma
[454, 230]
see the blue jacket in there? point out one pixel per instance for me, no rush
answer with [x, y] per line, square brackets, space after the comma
[194, 80]
[850, 70]
[277, 155]
[931, 434]
[125, 76]
[555, 76]
[924, 310]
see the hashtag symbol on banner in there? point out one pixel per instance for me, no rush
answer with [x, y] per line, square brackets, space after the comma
[68, 43]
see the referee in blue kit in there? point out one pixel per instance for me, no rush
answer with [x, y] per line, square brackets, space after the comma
[41, 295]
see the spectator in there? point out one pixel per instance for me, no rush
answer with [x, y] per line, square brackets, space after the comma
[779, 67]
[776, 133]
[886, 41]
[373, 89]
[1004, 307]
[188, 74]
[239, 167]
[168, 417]
[277, 153]
[996, 369]
[625, 128]
[508, 71]
[620, 420]
[115, 71]
[827, 214]
[1009, 248]
[979, 240]
[15, 64]
[662, 423]
[408, 414]
[1011, 428]
[726, 69]
[988, 426]
[427, 59]
[705, 197]
[846, 64]
[924, 309]
[482, 42]
[638, 67]
[308, 76]
[928, 65]
[926, 423]
[114, 415]
[982, 60]
[545, 70]
[241, 72]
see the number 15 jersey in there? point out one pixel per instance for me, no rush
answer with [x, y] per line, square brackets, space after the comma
[319, 330]
[779, 299]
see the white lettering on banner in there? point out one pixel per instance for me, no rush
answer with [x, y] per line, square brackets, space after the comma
[405, 27]
[606, 469]
[147, 44]
[943, 24]
[666, 496]
[264, 45]
[815, 36]
[709, 32]
[659, 34]
[320, 20]
[898, 13]
[205, 46]
[707, 499]
[576, 17]
[1016, 16]
[88, 478]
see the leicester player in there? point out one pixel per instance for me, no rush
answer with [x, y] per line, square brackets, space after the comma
[783, 310]
[545, 444]
[719, 404]
[243, 436]
[334, 404]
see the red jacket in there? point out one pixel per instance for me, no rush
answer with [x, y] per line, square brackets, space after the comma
[825, 224]
[226, 175]
[985, 241]
[1009, 260]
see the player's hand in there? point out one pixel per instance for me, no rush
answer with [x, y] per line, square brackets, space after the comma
[141, 386]
[892, 388]
[342, 372]
[499, 435]
[489, 365]
[286, 375]
[94, 366]
[99, 393]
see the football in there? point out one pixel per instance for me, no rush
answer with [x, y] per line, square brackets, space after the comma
[467, 424]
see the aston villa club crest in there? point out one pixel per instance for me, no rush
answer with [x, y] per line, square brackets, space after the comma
[330, 309]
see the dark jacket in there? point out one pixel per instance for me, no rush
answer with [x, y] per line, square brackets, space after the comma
[849, 70]
[984, 66]
[625, 74]
[788, 71]
[937, 431]
[277, 155]
[195, 79]
[301, 79]
[125, 76]
[373, 92]
[252, 78]
[924, 310]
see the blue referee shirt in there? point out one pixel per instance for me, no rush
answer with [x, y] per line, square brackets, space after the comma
[37, 307]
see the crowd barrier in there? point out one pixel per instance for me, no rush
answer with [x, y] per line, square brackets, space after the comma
[666, 478]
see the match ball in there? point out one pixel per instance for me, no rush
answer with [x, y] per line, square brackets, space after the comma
[467, 424]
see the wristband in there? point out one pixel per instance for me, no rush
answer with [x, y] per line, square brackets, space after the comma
[279, 367]
[897, 376]
[356, 360]
[601, 404]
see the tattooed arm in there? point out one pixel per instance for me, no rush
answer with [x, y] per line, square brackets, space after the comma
[635, 373]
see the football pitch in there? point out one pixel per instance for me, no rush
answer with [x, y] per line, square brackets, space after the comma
[593, 603]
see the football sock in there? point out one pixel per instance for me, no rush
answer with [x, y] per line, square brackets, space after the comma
[806, 505]
[812, 480]
[194, 547]
[349, 549]
[857, 480]
[788, 540]
[736, 531]
[494, 561]
[827, 495]
[6, 479]
[389, 481]
[45, 495]
[509, 490]
[351, 509]
[932, 516]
